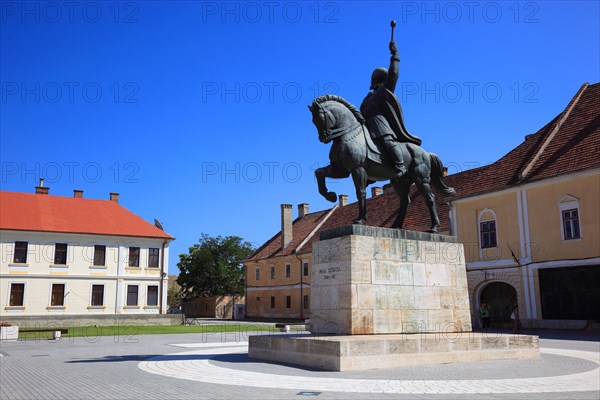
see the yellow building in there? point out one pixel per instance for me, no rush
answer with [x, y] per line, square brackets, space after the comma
[530, 224]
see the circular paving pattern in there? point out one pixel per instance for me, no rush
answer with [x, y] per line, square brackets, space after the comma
[228, 364]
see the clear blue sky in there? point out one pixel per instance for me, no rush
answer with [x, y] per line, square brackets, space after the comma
[195, 112]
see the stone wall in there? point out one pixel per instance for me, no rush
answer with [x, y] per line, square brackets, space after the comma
[368, 280]
[66, 321]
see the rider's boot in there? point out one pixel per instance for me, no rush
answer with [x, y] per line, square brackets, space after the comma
[394, 150]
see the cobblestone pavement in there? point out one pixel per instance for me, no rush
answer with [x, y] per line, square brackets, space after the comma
[206, 366]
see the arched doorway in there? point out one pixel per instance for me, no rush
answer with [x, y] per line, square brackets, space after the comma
[500, 297]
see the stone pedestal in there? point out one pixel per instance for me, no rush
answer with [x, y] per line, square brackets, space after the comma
[384, 298]
[364, 352]
[368, 280]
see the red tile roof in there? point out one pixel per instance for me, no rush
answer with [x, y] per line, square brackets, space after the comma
[301, 228]
[576, 147]
[46, 213]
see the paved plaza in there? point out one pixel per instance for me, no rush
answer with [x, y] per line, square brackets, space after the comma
[216, 365]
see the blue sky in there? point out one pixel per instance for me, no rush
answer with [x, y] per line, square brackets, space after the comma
[195, 112]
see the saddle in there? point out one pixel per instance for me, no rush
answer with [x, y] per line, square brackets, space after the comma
[374, 152]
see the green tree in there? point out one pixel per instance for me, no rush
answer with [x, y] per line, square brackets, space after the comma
[214, 266]
[174, 295]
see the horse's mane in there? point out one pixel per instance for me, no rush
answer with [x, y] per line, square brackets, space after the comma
[341, 100]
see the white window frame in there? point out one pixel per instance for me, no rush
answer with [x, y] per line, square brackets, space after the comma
[157, 295]
[137, 305]
[64, 295]
[92, 284]
[479, 221]
[257, 274]
[10, 291]
[67, 258]
[568, 202]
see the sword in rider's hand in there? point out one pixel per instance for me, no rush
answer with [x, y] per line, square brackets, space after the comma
[393, 25]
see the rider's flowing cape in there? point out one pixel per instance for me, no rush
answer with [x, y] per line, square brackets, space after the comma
[393, 114]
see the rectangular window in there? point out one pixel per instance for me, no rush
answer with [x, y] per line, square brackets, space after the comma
[97, 295]
[571, 224]
[60, 254]
[257, 274]
[272, 272]
[20, 255]
[257, 298]
[305, 301]
[134, 257]
[99, 255]
[17, 294]
[272, 301]
[132, 295]
[305, 268]
[58, 294]
[152, 297]
[153, 258]
[288, 270]
[288, 301]
[488, 234]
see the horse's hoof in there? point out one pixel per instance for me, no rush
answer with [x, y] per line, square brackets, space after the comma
[331, 196]
[433, 230]
[358, 222]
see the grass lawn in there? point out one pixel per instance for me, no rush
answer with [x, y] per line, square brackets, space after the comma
[130, 331]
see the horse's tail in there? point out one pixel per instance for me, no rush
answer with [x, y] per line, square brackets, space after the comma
[437, 175]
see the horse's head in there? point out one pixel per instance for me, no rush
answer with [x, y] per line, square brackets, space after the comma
[323, 119]
[334, 117]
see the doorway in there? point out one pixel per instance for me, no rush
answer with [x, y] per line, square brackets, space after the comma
[500, 297]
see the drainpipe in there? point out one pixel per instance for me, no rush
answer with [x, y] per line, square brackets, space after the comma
[162, 274]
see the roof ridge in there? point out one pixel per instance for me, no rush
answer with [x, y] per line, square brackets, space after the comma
[559, 124]
[316, 229]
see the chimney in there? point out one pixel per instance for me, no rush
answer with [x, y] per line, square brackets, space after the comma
[445, 173]
[302, 210]
[376, 191]
[78, 194]
[41, 189]
[114, 197]
[286, 224]
[343, 199]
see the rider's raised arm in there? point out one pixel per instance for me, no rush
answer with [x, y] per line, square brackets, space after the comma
[393, 71]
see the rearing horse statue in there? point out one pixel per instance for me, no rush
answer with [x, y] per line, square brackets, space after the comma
[353, 152]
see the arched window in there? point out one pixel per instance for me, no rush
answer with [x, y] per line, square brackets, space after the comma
[487, 229]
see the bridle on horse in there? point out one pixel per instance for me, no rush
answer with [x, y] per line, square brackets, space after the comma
[331, 134]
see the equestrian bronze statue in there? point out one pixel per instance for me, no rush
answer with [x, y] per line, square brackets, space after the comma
[373, 144]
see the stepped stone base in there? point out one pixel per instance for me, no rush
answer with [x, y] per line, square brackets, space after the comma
[365, 352]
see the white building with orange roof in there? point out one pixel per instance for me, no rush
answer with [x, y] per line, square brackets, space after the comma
[73, 256]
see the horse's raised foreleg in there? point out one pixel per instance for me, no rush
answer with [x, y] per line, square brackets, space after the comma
[402, 190]
[359, 176]
[329, 171]
[424, 187]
